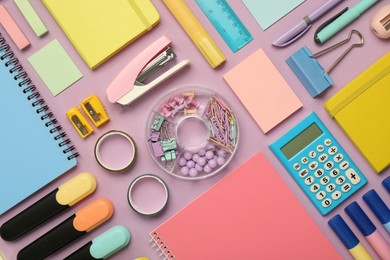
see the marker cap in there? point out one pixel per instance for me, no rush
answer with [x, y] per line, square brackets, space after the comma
[342, 230]
[360, 219]
[93, 215]
[377, 206]
[76, 189]
[110, 242]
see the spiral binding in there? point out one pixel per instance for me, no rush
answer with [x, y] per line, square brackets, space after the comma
[34, 95]
[161, 247]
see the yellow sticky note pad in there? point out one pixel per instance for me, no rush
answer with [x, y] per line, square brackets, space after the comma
[99, 28]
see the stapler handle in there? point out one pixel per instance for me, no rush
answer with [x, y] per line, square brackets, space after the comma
[125, 80]
[137, 90]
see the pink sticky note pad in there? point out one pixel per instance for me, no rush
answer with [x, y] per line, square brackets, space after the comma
[13, 29]
[262, 90]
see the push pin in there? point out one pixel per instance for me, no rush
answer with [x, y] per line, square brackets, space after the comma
[190, 111]
[179, 100]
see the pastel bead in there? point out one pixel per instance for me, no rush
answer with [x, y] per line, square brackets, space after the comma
[187, 155]
[195, 157]
[210, 147]
[193, 172]
[221, 160]
[198, 167]
[212, 163]
[221, 153]
[201, 161]
[207, 169]
[202, 152]
[209, 155]
[184, 170]
[190, 164]
[182, 161]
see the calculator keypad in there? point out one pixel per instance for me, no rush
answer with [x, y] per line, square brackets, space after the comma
[327, 172]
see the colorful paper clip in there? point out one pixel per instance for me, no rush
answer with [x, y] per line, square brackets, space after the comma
[310, 72]
[79, 122]
[129, 85]
[94, 109]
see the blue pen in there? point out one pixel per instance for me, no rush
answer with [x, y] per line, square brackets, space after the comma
[334, 25]
[378, 206]
[104, 245]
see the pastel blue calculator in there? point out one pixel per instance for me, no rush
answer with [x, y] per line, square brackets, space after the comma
[318, 163]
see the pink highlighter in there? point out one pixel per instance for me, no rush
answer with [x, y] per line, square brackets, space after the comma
[361, 220]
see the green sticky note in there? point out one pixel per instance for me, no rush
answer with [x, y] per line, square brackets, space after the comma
[55, 67]
[32, 17]
[268, 12]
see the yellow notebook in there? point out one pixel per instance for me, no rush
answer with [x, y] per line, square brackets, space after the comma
[362, 109]
[100, 28]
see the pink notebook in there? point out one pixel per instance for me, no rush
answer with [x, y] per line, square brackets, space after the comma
[262, 90]
[249, 214]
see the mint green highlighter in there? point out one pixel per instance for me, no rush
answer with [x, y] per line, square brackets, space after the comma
[104, 245]
[318, 164]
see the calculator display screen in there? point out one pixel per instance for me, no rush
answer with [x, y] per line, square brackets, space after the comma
[301, 141]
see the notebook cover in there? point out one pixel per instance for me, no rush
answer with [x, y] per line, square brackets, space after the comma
[362, 108]
[99, 28]
[29, 156]
[267, 13]
[262, 90]
[249, 214]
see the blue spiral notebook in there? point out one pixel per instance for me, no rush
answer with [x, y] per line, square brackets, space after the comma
[34, 151]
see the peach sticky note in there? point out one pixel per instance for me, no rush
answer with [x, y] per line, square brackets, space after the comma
[13, 29]
[262, 90]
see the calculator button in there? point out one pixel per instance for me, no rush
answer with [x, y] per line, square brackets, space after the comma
[326, 203]
[328, 165]
[325, 180]
[346, 187]
[313, 165]
[332, 150]
[319, 172]
[331, 187]
[309, 180]
[352, 176]
[303, 173]
[297, 166]
[323, 157]
[344, 165]
[304, 160]
[320, 195]
[340, 180]
[336, 195]
[328, 142]
[320, 148]
[312, 154]
[315, 187]
[338, 157]
[334, 172]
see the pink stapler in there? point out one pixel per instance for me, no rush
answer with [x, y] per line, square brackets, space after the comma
[128, 85]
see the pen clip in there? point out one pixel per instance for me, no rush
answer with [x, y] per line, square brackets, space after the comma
[326, 23]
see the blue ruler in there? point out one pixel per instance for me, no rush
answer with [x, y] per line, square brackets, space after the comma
[226, 22]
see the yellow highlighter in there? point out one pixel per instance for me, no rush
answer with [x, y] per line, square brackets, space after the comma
[60, 199]
[196, 32]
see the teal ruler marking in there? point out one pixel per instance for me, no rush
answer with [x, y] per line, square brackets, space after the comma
[226, 22]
